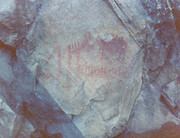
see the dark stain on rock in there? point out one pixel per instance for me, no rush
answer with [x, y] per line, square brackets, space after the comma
[168, 130]
[176, 14]
[8, 48]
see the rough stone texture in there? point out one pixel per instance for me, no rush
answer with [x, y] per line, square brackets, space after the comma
[168, 130]
[87, 65]
[87, 68]
[161, 66]
[7, 118]
[17, 16]
[133, 17]
[12, 125]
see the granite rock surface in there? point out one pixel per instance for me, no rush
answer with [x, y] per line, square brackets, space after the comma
[94, 68]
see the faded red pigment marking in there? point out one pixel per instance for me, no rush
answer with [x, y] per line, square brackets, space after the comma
[78, 61]
[69, 57]
[106, 49]
[49, 75]
[109, 66]
[84, 46]
[98, 71]
[46, 75]
[58, 51]
[115, 46]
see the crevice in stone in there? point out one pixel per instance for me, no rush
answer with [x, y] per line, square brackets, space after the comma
[110, 6]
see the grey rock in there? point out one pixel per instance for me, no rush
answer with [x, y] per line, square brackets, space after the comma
[16, 17]
[161, 63]
[89, 86]
[10, 123]
[173, 89]
[87, 68]
[6, 73]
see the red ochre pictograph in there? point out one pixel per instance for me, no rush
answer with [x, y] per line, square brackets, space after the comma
[94, 57]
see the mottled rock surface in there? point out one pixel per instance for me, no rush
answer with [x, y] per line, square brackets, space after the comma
[168, 130]
[161, 67]
[87, 64]
[95, 68]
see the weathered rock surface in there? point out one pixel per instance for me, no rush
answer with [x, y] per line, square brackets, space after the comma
[161, 67]
[87, 68]
[12, 124]
[87, 65]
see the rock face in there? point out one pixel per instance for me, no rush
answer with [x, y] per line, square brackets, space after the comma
[87, 65]
[161, 68]
[87, 68]
[12, 124]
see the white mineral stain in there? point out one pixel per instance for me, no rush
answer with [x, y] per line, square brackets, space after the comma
[6, 5]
